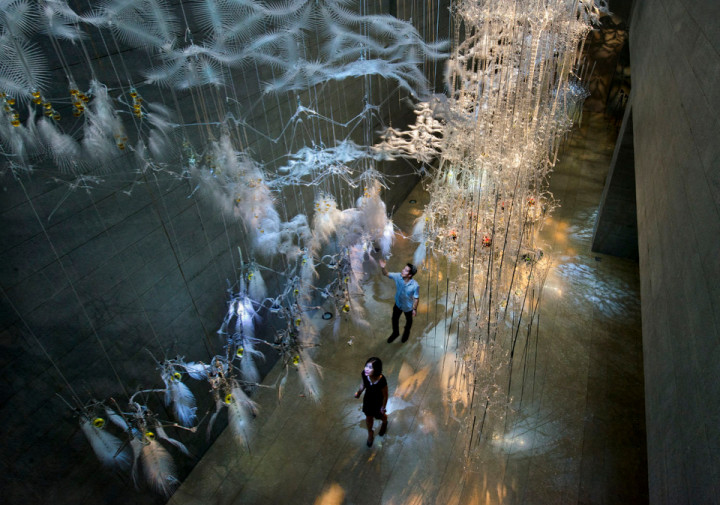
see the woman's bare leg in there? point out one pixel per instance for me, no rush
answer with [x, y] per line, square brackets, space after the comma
[371, 435]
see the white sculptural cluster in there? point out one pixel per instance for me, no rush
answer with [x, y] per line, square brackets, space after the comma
[510, 96]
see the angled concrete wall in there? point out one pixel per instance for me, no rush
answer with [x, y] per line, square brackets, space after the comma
[675, 56]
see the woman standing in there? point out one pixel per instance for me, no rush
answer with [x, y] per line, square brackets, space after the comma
[376, 396]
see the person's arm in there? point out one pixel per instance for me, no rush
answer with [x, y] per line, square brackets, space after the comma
[383, 264]
[385, 398]
[416, 300]
[359, 391]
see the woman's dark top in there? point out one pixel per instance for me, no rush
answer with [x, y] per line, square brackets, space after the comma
[373, 399]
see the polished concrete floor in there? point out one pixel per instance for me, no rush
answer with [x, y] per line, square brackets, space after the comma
[574, 432]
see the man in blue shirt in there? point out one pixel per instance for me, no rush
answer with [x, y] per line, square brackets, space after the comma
[407, 295]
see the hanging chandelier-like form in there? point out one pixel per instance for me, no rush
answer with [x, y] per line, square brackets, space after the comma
[513, 91]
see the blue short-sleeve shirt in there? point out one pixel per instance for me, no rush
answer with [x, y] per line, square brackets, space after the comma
[405, 292]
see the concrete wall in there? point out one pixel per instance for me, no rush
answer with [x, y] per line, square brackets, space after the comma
[675, 56]
[615, 230]
[93, 279]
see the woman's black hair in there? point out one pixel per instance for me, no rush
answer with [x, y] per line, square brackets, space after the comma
[376, 364]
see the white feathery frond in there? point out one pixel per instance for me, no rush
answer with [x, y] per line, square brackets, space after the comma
[248, 369]
[106, 446]
[64, 149]
[419, 256]
[162, 434]
[22, 64]
[158, 467]
[102, 125]
[18, 18]
[116, 419]
[60, 21]
[387, 238]
[281, 384]
[310, 375]
[418, 231]
[336, 324]
[243, 312]
[373, 213]
[241, 411]
[182, 400]
[211, 15]
[356, 255]
[136, 446]
[198, 371]
[219, 404]
[20, 141]
[256, 288]
[142, 22]
[307, 271]
[326, 219]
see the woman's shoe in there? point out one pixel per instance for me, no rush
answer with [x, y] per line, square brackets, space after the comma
[370, 440]
[383, 429]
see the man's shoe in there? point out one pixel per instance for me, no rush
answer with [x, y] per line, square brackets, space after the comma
[405, 338]
[391, 338]
[383, 429]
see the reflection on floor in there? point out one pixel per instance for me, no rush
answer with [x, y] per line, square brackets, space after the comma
[578, 437]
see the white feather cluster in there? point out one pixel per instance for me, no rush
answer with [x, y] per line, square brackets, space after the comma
[310, 375]
[237, 185]
[241, 411]
[158, 467]
[107, 447]
[104, 131]
[373, 213]
[256, 289]
[181, 398]
[326, 220]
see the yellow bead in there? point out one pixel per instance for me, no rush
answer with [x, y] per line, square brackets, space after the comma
[240, 352]
[177, 376]
[150, 435]
[57, 117]
[37, 100]
[228, 398]
[98, 422]
[296, 360]
[15, 122]
[11, 101]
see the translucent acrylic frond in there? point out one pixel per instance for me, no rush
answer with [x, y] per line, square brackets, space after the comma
[23, 64]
